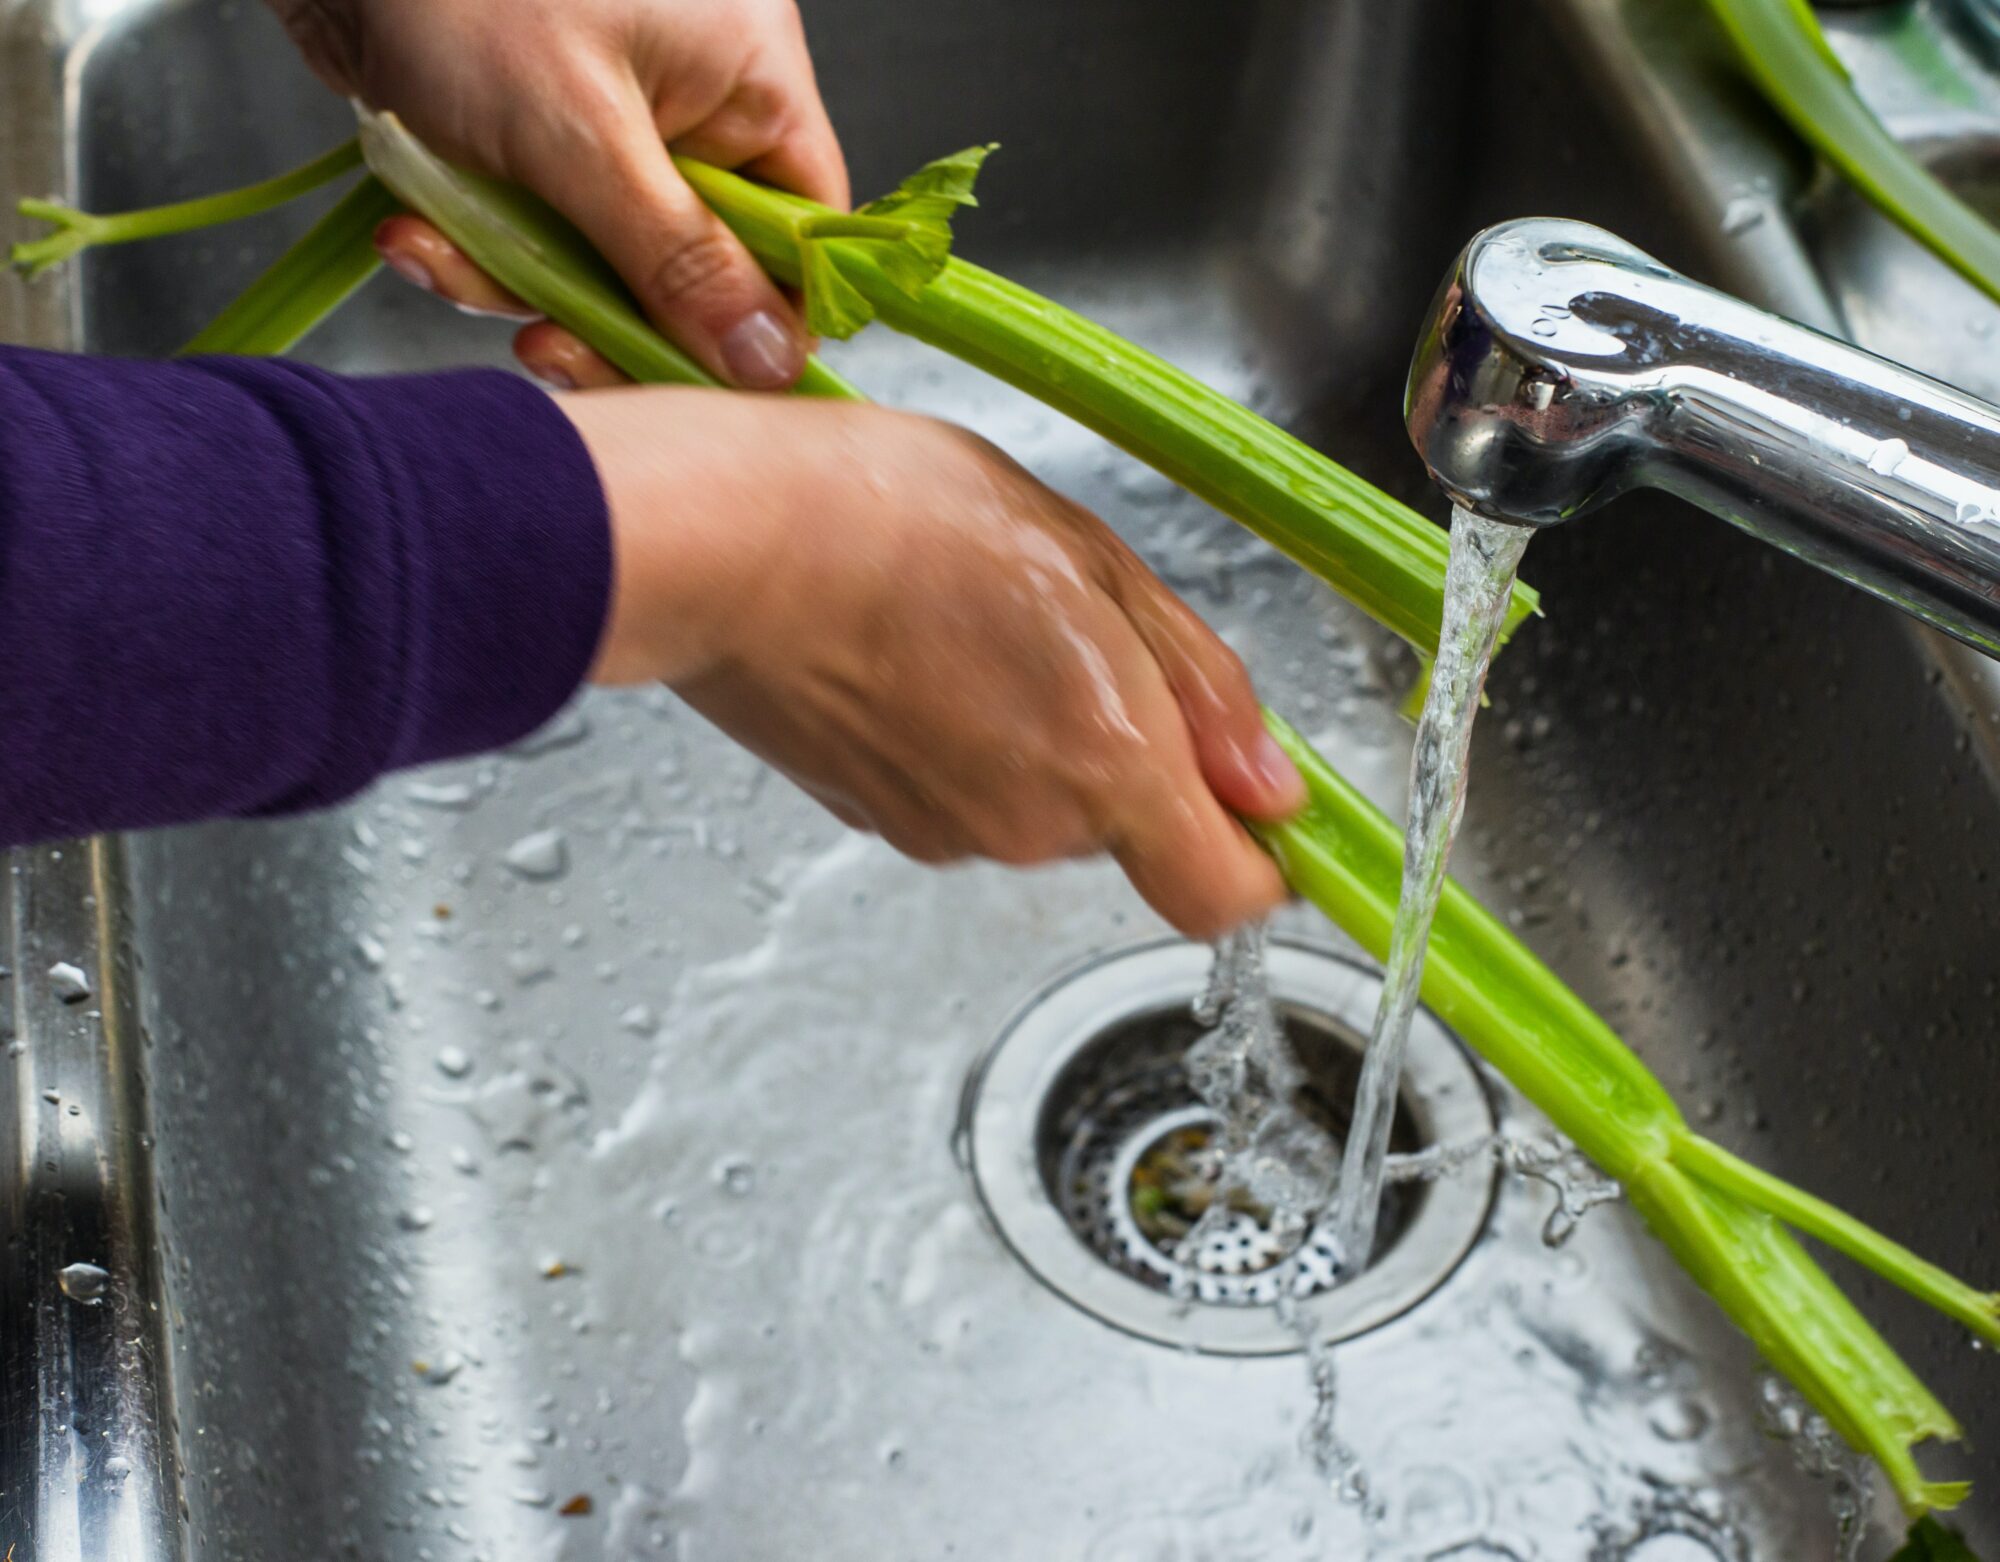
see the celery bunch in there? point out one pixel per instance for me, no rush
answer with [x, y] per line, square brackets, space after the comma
[1731, 1225]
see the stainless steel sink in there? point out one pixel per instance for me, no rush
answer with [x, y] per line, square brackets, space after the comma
[457, 1211]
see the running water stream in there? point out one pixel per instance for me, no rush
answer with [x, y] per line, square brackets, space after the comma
[1479, 579]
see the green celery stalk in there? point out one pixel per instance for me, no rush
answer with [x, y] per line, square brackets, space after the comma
[1378, 553]
[77, 231]
[1382, 555]
[308, 282]
[529, 249]
[1715, 1213]
[1782, 49]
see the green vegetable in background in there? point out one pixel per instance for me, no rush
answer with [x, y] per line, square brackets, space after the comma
[1730, 1224]
[76, 230]
[1781, 47]
[1930, 1541]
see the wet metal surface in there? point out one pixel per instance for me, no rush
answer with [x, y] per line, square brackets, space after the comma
[612, 1212]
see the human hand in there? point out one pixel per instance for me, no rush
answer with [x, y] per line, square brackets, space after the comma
[579, 100]
[931, 643]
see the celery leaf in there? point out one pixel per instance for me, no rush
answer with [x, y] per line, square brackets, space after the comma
[834, 306]
[928, 199]
[907, 234]
[1930, 1541]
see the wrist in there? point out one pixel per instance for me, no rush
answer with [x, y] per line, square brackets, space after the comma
[694, 490]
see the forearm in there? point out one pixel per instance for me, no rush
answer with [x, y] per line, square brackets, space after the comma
[233, 587]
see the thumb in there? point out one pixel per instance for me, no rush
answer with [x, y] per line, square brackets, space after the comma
[691, 275]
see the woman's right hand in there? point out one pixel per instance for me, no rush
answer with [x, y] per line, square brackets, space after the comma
[930, 642]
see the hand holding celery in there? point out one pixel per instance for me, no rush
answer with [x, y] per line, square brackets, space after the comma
[1729, 1224]
[786, 566]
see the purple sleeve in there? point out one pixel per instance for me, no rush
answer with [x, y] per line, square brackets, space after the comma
[243, 586]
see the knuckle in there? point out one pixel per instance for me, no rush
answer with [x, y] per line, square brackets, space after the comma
[695, 264]
[1037, 841]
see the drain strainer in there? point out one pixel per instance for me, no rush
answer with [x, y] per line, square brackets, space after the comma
[1094, 1156]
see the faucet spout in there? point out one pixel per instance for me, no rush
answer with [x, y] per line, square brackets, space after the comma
[1560, 367]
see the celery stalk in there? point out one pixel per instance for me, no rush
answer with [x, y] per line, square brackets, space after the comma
[1385, 557]
[77, 231]
[1715, 1213]
[529, 249]
[1782, 49]
[1979, 1311]
[306, 283]
[1378, 553]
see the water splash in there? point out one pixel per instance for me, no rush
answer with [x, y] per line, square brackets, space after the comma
[1244, 1071]
[1579, 1186]
[86, 1283]
[1548, 1158]
[1478, 583]
[1823, 1456]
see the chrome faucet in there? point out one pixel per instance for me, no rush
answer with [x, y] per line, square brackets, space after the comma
[1561, 367]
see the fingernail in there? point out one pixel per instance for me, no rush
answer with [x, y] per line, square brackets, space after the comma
[410, 269]
[1275, 768]
[550, 375]
[761, 353]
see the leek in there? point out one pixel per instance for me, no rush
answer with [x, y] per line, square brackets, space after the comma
[1728, 1223]
[1783, 50]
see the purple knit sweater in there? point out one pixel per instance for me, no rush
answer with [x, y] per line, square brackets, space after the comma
[239, 586]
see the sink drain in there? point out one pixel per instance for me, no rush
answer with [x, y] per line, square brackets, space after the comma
[1094, 1156]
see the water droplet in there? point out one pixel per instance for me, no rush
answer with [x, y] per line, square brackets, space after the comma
[442, 1371]
[453, 1062]
[542, 855]
[68, 982]
[528, 967]
[86, 1283]
[1680, 1419]
[419, 1217]
[455, 795]
[1742, 214]
[569, 727]
[1889, 455]
[640, 1020]
[737, 1177]
[371, 951]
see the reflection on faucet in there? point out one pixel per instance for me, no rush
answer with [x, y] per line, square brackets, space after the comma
[1560, 366]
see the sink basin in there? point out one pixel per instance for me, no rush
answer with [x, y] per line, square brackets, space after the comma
[608, 1197]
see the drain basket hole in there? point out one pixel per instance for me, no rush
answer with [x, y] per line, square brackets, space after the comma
[1128, 1153]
